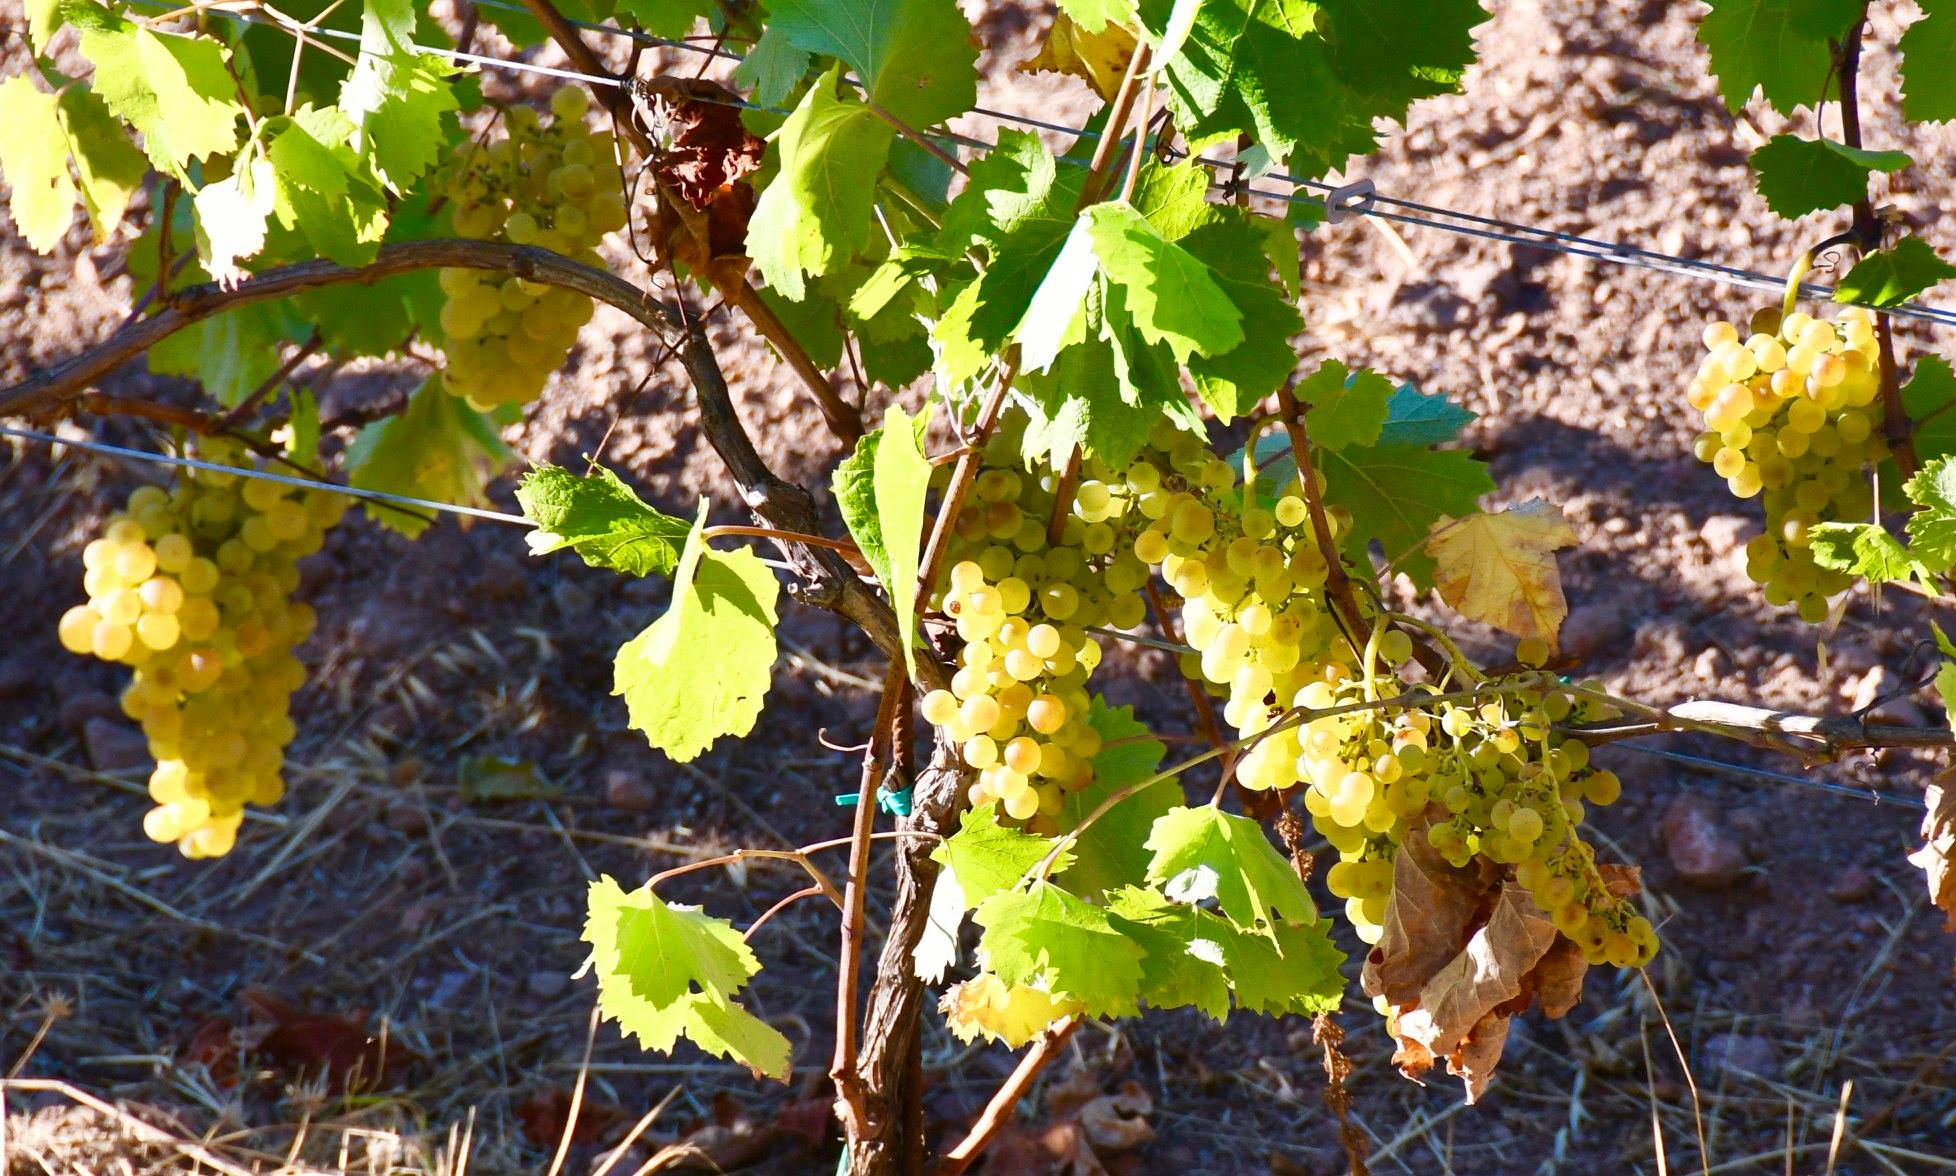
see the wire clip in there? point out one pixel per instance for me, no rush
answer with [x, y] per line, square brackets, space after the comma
[897, 804]
[1349, 200]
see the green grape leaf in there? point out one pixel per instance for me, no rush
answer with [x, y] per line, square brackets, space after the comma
[1204, 852]
[1173, 297]
[302, 427]
[899, 481]
[109, 167]
[1280, 246]
[1175, 200]
[231, 353]
[915, 58]
[1019, 208]
[988, 858]
[1396, 492]
[1053, 319]
[322, 190]
[1946, 674]
[651, 951]
[1183, 946]
[175, 90]
[1308, 79]
[666, 18]
[1418, 418]
[1110, 851]
[439, 449]
[1894, 275]
[1292, 970]
[1777, 47]
[668, 971]
[1048, 938]
[396, 96]
[1927, 47]
[1863, 549]
[1348, 408]
[701, 670]
[601, 519]
[1798, 176]
[816, 215]
[773, 67]
[854, 485]
[1081, 403]
[34, 162]
[1231, 243]
[1929, 398]
[1932, 528]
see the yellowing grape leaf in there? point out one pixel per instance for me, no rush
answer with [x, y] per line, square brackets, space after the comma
[1054, 940]
[439, 449]
[108, 166]
[34, 162]
[1098, 58]
[985, 1006]
[668, 971]
[1939, 845]
[1500, 568]
[701, 670]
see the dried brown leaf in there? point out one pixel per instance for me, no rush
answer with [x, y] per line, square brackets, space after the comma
[1473, 1063]
[1428, 918]
[1939, 845]
[1500, 568]
[1118, 1122]
[1557, 979]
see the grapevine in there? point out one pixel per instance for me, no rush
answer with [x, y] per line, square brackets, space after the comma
[191, 587]
[1096, 434]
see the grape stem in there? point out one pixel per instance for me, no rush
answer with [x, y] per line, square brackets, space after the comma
[1868, 231]
[1295, 717]
[1337, 583]
[1005, 1100]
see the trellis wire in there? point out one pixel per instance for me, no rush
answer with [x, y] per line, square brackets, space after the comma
[1483, 227]
[1492, 228]
[123, 454]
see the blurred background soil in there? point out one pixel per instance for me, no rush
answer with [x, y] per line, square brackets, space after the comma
[462, 770]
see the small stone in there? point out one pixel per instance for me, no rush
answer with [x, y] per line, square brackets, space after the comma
[1593, 628]
[114, 746]
[1721, 533]
[1704, 850]
[78, 710]
[1853, 884]
[1741, 1053]
[623, 789]
[547, 984]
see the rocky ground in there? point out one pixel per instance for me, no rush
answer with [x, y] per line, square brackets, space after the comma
[413, 881]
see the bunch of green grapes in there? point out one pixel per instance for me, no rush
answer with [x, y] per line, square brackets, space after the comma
[1793, 414]
[1022, 606]
[1489, 778]
[554, 186]
[192, 588]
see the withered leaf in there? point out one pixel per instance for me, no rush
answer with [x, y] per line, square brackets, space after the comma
[1939, 845]
[1500, 568]
[1428, 918]
[705, 153]
[1099, 58]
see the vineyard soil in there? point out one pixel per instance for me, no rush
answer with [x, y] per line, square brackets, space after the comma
[461, 769]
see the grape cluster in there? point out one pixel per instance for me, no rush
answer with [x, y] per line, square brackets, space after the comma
[192, 587]
[1022, 606]
[1487, 778]
[553, 186]
[1792, 414]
